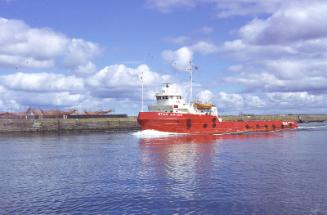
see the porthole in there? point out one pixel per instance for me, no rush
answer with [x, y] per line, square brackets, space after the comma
[205, 125]
[274, 126]
[266, 126]
[188, 123]
[247, 126]
[257, 126]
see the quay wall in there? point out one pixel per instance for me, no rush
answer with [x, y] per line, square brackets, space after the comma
[300, 118]
[68, 125]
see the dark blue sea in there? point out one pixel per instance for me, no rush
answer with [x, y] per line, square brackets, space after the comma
[128, 173]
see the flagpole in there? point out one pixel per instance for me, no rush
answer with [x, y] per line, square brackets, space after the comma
[191, 84]
[142, 91]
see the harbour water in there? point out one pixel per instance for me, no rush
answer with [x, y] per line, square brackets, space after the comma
[128, 173]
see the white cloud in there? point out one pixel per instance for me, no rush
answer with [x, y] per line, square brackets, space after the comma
[179, 59]
[80, 51]
[204, 47]
[300, 21]
[48, 99]
[86, 69]
[27, 62]
[103, 89]
[180, 40]
[44, 82]
[168, 5]
[282, 58]
[24, 46]
[223, 8]
[227, 8]
[205, 96]
[206, 30]
[230, 100]
[277, 102]
[123, 76]
[296, 99]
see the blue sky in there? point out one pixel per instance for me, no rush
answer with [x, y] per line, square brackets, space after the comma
[253, 56]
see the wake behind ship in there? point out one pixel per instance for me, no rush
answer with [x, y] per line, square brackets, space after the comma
[172, 114]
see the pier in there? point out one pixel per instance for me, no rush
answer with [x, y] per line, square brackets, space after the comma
[68, 125]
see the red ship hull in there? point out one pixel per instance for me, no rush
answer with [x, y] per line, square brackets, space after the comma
[206, 124]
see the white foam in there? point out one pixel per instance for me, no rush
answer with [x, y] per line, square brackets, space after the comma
[154, 133]
[307, 127]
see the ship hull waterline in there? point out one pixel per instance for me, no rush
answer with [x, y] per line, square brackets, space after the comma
[207, 124]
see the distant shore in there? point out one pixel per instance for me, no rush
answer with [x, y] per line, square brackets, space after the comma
[121, 124]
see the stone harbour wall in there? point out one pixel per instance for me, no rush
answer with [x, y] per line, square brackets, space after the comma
[67, 125]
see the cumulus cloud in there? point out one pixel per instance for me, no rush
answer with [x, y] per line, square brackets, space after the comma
[179, 59]
[282, 57]
[83, 86]
[48, 82]
[120, 81]
[300, 21]
[121, 75]
[205, 96]
[270, 103]
[48, 99]
[112, 83]
[25, 46]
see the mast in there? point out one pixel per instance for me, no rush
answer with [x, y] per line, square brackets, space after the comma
[142, 86]
[191, 84]
[190, 69]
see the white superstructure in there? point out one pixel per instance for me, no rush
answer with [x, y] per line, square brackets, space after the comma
[168, 100]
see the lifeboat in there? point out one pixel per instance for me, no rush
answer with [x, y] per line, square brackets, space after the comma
[203, 106]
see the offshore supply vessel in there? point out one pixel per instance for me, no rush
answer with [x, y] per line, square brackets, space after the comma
[172, 114]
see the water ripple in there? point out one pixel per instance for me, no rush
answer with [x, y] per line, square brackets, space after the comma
[275, 173]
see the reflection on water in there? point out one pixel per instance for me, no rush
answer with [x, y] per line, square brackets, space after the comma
[254, 173]
[178, 139]
[180, 160]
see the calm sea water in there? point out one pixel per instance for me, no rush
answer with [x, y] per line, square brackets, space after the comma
[102, 173]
